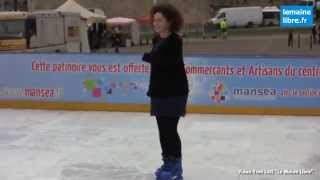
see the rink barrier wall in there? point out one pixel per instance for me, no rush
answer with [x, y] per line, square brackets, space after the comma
[146, 108]
[111, 82]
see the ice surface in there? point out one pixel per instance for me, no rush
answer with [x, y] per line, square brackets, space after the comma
[66, 145]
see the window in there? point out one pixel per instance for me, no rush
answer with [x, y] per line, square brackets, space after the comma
[12, 28]
[222, 15]
[73, 31]
[269, 15]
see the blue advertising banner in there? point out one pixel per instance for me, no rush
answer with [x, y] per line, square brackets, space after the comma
[123, 79]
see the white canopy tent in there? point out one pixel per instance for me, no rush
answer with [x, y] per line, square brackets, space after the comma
[89, 18]
[127, 22]
[120, 21]
[73, 6]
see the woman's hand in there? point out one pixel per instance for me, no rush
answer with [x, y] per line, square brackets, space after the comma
[146, 57]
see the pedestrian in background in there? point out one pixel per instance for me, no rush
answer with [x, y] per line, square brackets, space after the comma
[224, 28]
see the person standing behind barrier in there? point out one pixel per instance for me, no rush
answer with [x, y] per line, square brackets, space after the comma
[290, 39]
[90, 36]
[314, 34]
[318, 33]
[117, 39]
[168, 87]
[224, 28]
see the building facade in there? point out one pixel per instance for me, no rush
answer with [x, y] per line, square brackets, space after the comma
[15, 5]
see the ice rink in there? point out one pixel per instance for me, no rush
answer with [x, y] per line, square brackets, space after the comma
[72, 145]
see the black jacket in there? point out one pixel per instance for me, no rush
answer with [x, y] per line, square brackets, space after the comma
[168, 76]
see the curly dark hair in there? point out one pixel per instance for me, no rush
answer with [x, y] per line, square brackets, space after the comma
[172, 15]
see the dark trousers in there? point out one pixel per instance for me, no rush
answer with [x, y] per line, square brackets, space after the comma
[169, 137]
[290, 41]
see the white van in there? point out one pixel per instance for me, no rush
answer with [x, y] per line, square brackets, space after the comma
[271, 16]
[239, 16]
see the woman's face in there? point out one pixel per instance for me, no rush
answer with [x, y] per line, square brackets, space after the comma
[160, 23]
